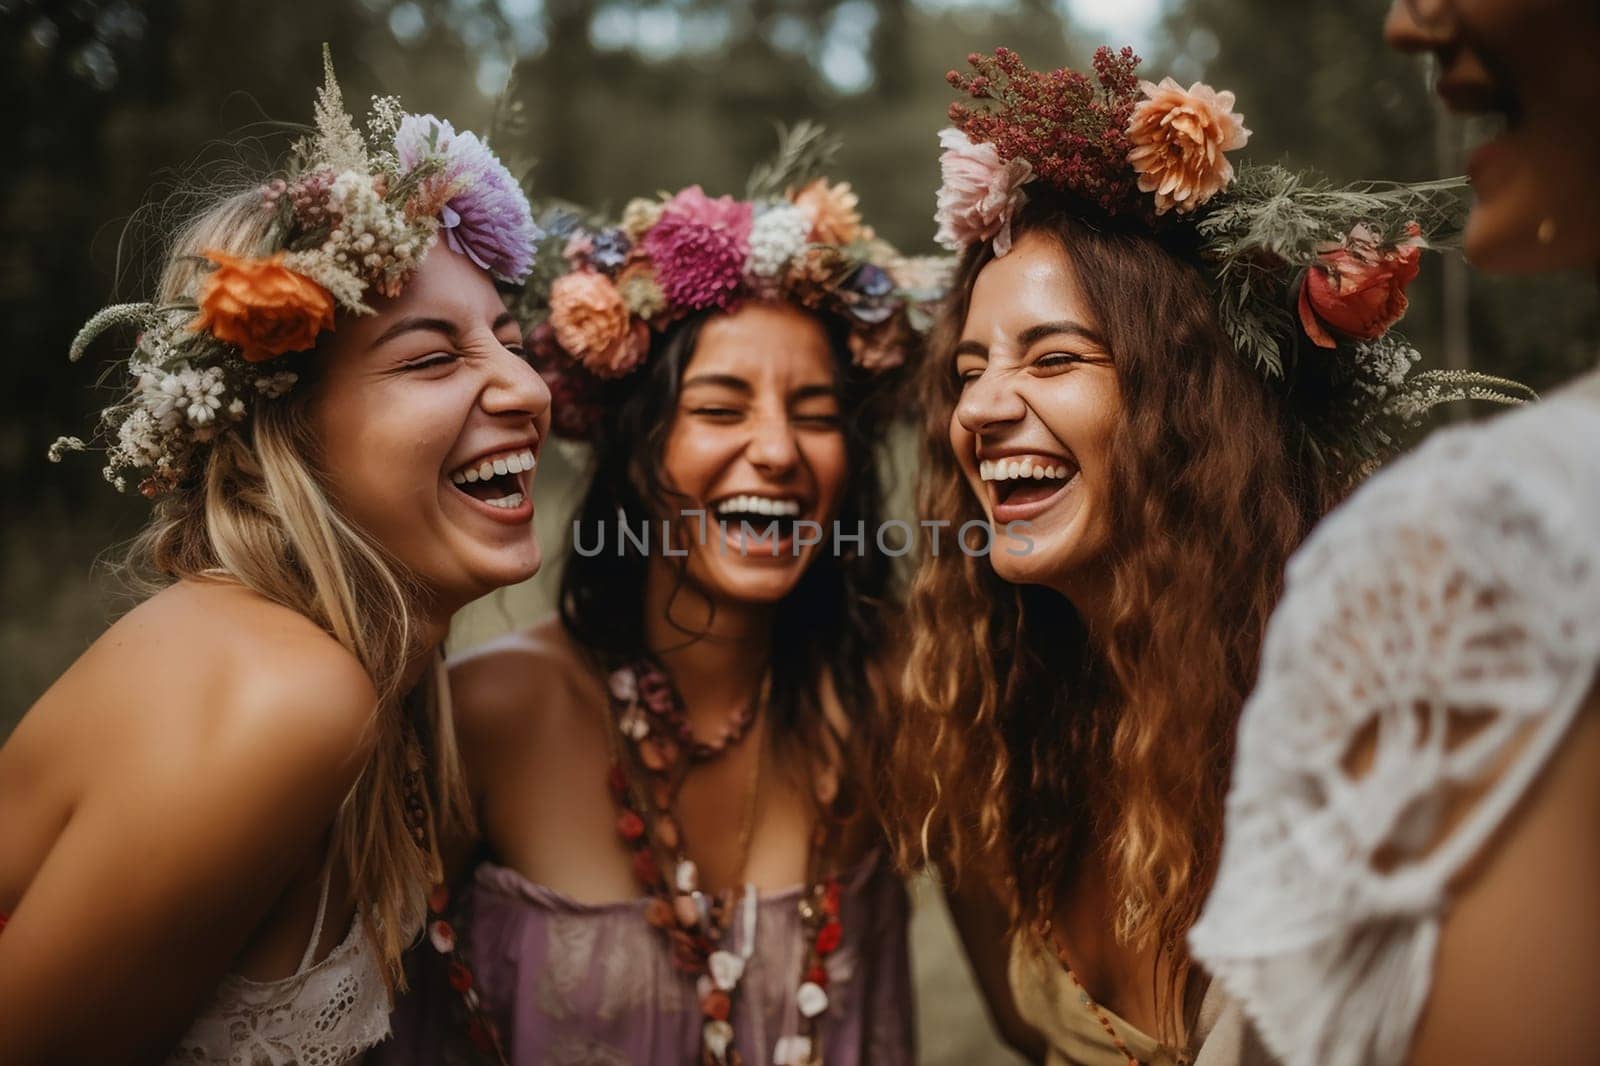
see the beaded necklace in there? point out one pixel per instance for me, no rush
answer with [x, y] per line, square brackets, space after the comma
[712, 936]
[1045, 930]
[481, 1030]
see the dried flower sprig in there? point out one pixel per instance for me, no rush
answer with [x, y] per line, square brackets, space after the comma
[1072, 132]
[350, 215]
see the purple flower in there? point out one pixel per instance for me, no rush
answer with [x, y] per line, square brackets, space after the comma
[868, 294]
[486, 216]
[610, 250]
[699, 248]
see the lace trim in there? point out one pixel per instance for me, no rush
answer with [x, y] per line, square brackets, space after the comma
[324, 1015]
[1441, 624]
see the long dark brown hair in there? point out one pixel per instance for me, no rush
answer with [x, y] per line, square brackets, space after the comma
[830, 627]
[1023, 745]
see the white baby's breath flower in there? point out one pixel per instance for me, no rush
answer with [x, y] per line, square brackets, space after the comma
[777, 236]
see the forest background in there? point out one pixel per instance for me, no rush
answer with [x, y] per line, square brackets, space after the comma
[113, 101]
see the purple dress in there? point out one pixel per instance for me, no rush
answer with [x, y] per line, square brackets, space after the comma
[571, 982]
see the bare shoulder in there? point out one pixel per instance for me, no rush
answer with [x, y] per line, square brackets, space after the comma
[219, 668]
[533, 673]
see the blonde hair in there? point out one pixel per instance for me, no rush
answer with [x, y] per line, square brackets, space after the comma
[255, 507]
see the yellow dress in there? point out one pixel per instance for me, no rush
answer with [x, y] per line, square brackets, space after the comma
[1050, 1001]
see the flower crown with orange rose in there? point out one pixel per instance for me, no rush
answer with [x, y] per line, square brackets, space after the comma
[351, 215]
[1300, 269]
[602, 287]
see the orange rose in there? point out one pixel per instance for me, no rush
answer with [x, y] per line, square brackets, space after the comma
[1358, 289]
[1179, 136]
[262, 306]
[591, 323]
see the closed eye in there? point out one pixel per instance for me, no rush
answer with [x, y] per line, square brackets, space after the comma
[1058, 359]
[830, 420]
[434, 359]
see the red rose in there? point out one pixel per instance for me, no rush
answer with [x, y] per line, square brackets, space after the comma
[830, 898]
[818, 975]
[828, 937]
[460, 977]
[1359, 288]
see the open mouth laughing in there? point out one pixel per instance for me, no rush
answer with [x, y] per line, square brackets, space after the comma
[1026, 484]
[498, 483]
[758, 512]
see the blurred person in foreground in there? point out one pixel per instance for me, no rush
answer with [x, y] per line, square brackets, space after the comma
[1412, 852]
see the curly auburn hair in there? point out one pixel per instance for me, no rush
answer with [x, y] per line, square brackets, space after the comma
[1022, 745]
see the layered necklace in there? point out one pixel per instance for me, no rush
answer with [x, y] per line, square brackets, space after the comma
[711, 936]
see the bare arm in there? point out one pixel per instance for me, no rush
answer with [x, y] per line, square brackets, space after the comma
[980, 921]
[170, 863]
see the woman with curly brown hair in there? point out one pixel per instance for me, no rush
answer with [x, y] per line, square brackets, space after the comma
[1142, 443]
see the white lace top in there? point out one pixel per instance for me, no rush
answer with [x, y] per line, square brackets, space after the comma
[325, 1014]
[1443, 622]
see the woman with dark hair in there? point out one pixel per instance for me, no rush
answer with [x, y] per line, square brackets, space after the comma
[1152, 375]
[1411, 868]
[671, 774]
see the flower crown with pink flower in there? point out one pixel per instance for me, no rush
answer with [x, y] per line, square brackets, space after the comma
[352, 214]
[1298, 266]
[601, 287]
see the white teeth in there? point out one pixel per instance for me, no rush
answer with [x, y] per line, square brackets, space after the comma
[514, 463]
[507, 503]
[1004, 470]
[762, 505]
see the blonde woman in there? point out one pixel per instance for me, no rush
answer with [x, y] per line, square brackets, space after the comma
[219, 821]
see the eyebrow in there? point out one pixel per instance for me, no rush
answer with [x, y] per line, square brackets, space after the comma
[1033, 335]
[414, 323]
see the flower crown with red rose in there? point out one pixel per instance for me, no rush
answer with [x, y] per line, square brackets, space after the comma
[602, 287]
[352, 214]
[1300, 269]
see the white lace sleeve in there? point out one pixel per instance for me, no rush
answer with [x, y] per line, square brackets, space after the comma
[1437, 637]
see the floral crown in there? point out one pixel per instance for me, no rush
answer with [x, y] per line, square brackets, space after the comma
[1292, 260]
[352, 215]
[599, 292]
